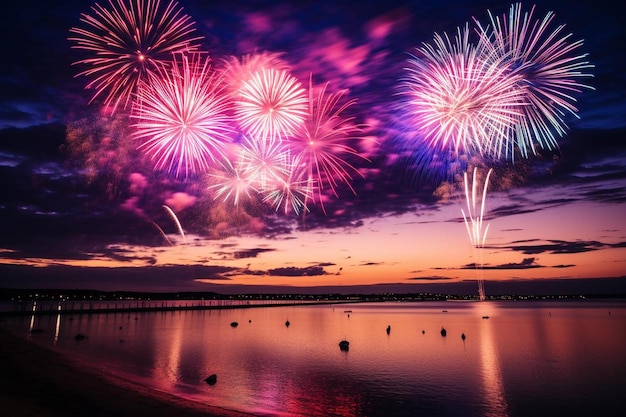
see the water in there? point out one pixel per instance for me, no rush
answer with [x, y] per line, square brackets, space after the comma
[526, 359]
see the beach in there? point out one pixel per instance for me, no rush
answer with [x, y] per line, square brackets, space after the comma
[37, 381]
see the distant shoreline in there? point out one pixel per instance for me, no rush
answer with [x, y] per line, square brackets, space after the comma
[142, 309]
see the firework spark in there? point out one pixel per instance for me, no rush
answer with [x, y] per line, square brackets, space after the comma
[182, 116]
[474, 223]
[271, 105]
[320, 146]
[549, 70]
[459, 98]
[128, 41]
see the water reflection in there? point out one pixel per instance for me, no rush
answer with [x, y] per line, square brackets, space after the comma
[494, 398]
[57, 326]
[570, 360]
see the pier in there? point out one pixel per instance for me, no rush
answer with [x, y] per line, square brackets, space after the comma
[29, 308]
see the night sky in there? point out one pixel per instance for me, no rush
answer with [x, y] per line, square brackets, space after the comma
[80, 208]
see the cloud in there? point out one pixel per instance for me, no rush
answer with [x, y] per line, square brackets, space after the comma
[147, 278]
[560, 247]
[179, 201]
[429, 279]
[526, 263]
[292, 271]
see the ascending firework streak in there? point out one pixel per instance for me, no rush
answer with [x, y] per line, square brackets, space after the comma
[180, 228]
[474, 224]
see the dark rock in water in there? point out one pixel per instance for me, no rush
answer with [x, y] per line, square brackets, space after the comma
[463, 336]
[443, 332]
[344, 345]
[211, 379]
[234, 324]
[80, 336]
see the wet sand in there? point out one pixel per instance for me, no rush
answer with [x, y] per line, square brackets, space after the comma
[36, 381]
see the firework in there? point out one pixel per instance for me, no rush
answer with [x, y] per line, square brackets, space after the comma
[458, 97]
[236, 70]
[231, 182]
[289, 193]
[320, 146]
[178, 225]
[474, 222]
[271, 105]
[182, 116]
[127, 41]
[264, 162]
[548, 69]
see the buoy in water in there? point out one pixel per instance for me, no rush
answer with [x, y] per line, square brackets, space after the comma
[211, 379]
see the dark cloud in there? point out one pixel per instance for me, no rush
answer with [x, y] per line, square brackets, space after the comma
[149, 278]
[429, 279]
[292, 271]
[562, 247]
[526, 263]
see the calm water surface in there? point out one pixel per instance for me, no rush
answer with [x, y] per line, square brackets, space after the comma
[526, 359]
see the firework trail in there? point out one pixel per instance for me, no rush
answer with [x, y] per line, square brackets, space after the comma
[127, 41]
[178, 225]
[271, 105]
[320, 145]
[474, 224]
[182, 117]
[458, 97]
[163, 235]
[548, 69]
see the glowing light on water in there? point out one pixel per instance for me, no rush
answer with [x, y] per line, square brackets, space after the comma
[474, 224]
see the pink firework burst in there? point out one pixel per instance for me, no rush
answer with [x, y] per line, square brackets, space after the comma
[127, 41]
[458, 97]
[182, 116]
[271, 105]
[265, 162]
[231, 182]
[236, 70]
[321, 146]
[549, 70]
[290, 192]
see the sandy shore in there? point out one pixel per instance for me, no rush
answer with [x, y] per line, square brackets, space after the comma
[36, 381]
